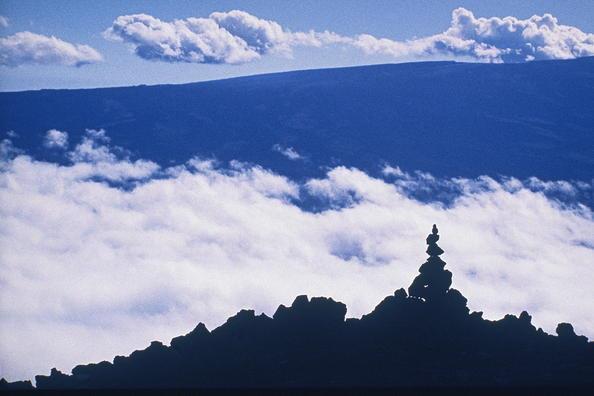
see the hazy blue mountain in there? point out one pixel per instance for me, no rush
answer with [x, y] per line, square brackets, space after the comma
[451, 119]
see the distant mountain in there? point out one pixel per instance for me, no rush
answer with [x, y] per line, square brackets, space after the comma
[424, 338]
[451, 119]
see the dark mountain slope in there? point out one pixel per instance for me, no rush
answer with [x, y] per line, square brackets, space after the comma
[455, 119]
[425, 338]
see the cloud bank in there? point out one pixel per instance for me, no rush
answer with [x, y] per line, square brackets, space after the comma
[99, 257]
[31, 48]
[237, 37]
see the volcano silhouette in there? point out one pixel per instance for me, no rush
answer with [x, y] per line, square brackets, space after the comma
[425, 337]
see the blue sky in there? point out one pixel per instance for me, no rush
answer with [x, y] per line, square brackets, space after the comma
[82, 22]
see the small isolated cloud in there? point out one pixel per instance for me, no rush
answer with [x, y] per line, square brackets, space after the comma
[288, 152]
[56, 139]
[3, 21]
[237, 37]
[31, 48]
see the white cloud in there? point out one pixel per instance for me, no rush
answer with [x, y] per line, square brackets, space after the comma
[31, 48]
[89, 270]
[7, 150]
[494, 39]
[196, 40]
[288, 152]
[56, 139]
[3, 21]
[93, 157]
[239, 37]
[224, 37]
[424, 185]
[538, 37]
[92, 149]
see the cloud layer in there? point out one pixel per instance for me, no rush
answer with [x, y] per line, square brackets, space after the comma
[101, 256]
[31, 48]
[238, 37]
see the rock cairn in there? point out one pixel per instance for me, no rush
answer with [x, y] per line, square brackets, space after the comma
[433, 281]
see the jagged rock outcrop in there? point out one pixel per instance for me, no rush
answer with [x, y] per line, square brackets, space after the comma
[15, 386]
[427, 338]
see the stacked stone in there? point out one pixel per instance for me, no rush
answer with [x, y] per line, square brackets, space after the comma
[433, 281]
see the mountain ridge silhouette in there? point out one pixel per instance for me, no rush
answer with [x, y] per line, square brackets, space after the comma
[426, 337]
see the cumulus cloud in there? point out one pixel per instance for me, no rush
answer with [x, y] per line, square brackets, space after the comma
[56, 139]
[90, 270]
[493, 39]
[3, 21]
[224, 37]
[238, 37]
[288, 152]
[31, 48]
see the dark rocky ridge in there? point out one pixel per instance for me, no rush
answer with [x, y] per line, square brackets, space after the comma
[426, 338]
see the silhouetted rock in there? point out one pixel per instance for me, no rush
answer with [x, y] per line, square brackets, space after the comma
[17, 385]
[433, 281]
[566, 333]
[193, 339]
[426, 338]
[319, 311]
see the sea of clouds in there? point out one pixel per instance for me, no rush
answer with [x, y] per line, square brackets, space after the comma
[105, 253]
